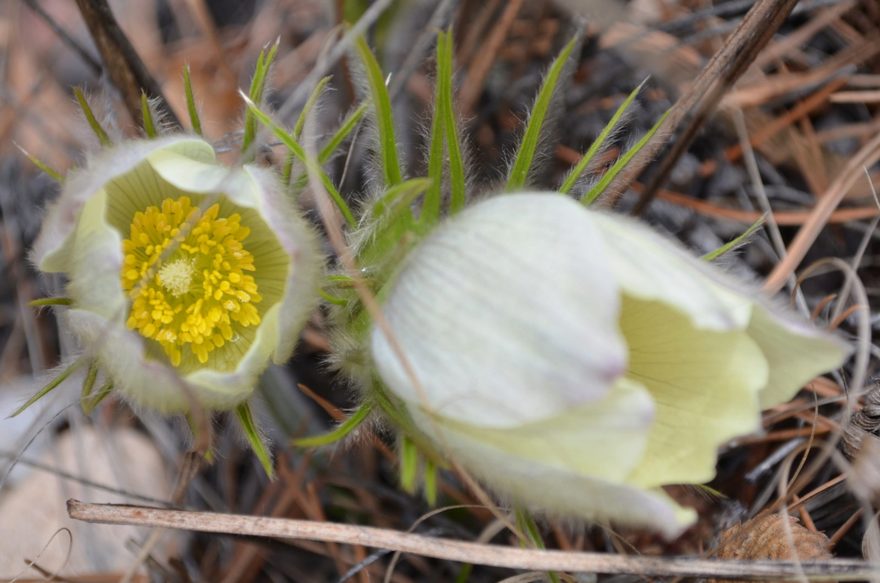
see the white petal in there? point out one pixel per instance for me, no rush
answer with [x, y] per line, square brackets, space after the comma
[225, 389]
[652, 267]
[551, 489]
[52, 247]
[93, 263]
[304, 258]
[604, 440]
[146, 381]
[705, 385]
[507, 314]
[796, 350]
[206, 177]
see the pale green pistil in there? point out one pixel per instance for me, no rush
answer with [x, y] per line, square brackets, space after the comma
[176, 276]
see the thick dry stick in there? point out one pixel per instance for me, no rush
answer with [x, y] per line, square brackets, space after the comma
[467, 552]
[123, 65]
[694, 107]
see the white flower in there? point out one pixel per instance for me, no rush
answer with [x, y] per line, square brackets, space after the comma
[576, 361]
[185, 275]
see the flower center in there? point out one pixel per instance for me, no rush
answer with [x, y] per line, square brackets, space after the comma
[177, 276]
[184, 269]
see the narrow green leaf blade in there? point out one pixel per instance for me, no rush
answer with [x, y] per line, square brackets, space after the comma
[429, 482]
[393, 222]
[147, 115]
[343, 132]
[525, 154]
[409, 465]
[40, 302]
[430, 213]
[384, 117]
[297, 150]
[599, 142]
[194, 119]
[341, 432]
[457, 179]
[99, 131]
[400, 196]
[258, 86]
[51, 172]
[300, 124]
[89, 381]
[255, 440]
[737, 241]
[92, 401]
[529, 528]
[50, 386]
[621, 163]
[310, 104]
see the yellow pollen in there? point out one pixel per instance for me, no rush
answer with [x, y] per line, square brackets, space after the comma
[187, 273]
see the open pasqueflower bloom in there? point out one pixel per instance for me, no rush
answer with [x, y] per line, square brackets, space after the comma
[577, 361]
[186, 276]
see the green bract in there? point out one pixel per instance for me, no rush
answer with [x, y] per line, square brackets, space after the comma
[185, 275]
[576, 361]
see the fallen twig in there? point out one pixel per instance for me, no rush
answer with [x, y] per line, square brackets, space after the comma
[468, 552]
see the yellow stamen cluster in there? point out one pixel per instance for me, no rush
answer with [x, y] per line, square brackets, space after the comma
[184, 270]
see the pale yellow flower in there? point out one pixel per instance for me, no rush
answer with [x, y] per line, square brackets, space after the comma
[185, 275]
[576, 361]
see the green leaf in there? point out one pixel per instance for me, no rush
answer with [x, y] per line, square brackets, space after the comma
[453, 145]
[526, 524]
[393, 220]
[60, 378]
[397, 197]
[599, 142]
[331, 299]
[255, 440]
[341, 280]
[310, 104]
[431, 205]
[51, 172]
[88, 405]
[348, 125]
[353, 422]
[384, 117]
[342, 133]
[301, 122]
[147, 115]
[38, 303]
[89, 381]
[444, 130]
[738, 241]
[258, 86]
[620, 164]
[525, 154]
[297, 150]
[464, 573]
[429, 482]
[194, 119]
[409, 465]
[90, 117]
